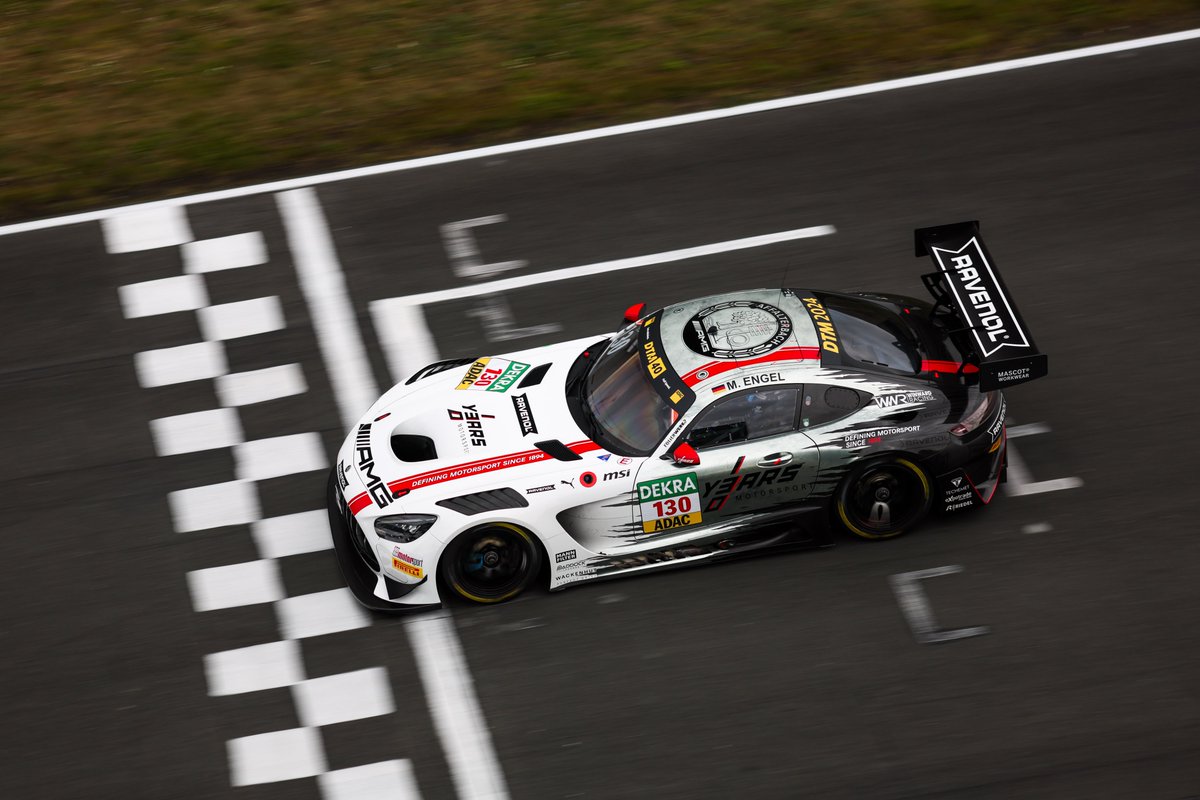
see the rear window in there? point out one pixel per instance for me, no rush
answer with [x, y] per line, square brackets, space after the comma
[873, 335]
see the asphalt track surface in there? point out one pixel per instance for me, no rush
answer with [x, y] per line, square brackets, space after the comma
[789, 676]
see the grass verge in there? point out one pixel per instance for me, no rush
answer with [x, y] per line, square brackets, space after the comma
[110, 101]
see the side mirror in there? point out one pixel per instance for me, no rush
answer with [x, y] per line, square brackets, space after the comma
[685, 456]
[634, 312]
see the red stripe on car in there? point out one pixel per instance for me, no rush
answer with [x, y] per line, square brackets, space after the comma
[783, 354]
[483, 465]
[359, 502]
[932, 365]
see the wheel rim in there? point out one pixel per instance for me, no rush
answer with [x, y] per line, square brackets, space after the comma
[885, 499]
[492, 563]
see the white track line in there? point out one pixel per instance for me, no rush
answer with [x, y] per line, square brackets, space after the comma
[633, 127]
[444, 673]
[568, 273]
[324, 289]
[456, 714]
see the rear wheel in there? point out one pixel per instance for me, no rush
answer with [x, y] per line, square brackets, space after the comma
[884, 498]
[491, 563]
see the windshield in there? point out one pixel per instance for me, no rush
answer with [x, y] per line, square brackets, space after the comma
[621, 399]
[873, 335]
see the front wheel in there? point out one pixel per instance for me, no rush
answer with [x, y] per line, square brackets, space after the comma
[492, 563]
[884, 498]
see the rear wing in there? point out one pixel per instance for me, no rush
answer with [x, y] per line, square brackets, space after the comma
[968, 284]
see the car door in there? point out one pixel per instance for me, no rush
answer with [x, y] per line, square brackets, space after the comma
[752, 458]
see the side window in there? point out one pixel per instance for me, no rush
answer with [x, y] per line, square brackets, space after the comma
[751, 414]
[824, 404]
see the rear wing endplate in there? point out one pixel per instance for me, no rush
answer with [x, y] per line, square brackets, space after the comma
[968, 283]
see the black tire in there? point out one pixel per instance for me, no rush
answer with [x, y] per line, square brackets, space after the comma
[491, 563]
[883, 498]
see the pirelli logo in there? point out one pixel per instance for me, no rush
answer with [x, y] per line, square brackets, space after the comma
[980, 298]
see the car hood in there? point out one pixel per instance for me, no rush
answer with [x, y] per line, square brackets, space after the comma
[466, 429]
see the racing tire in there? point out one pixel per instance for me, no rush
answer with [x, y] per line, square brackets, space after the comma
[883, 498]
[492, 563]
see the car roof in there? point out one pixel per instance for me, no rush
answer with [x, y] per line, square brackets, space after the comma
[724, 337]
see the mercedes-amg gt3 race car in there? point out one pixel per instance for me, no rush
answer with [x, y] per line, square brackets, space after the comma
[704, 430]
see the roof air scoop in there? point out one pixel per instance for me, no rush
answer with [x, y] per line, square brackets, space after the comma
[534, 376]
[555, 448]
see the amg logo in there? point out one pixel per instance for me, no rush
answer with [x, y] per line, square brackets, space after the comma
[979, 297]
[366, 467]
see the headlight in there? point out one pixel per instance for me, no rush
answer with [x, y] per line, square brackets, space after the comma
[403, 528]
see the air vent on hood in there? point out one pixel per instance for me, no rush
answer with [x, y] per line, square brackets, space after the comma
[553, 447]
[480, 502]
[534, 376]
[436, 367]
[413, 447]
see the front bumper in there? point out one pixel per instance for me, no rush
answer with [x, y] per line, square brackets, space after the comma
[371, 588]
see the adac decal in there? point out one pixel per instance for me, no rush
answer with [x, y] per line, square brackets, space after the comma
[492, 375]
[903, 398]
[737, 329]
[471, 429]
[365, 461]
[823, 323]
[524, 414]
[668, 503]
[980, 298]
[718, 492]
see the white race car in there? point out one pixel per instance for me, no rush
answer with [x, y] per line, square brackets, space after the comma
[707, 429]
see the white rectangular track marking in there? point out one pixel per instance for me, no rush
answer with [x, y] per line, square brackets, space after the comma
[324, 289]
[188, 362]
[117, 238]
[455, 709]
[260, 385]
